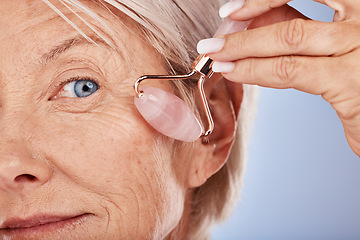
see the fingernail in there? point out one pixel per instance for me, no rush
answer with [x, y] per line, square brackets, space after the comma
[230, 7]
[223, 67]
[210, 45]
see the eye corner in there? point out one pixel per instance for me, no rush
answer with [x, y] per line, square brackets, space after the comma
[52, 98]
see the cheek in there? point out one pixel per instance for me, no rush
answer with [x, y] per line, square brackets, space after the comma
[115, 157]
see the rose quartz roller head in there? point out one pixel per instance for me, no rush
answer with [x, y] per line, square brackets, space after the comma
[170, 115]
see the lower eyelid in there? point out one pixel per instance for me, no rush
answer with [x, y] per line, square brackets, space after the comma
[78, 105]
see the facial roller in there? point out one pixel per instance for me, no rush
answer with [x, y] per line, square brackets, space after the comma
[169, 114]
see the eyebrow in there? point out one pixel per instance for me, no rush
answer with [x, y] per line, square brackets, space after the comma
[70, 43]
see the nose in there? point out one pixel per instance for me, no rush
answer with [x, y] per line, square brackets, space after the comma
[20, 168]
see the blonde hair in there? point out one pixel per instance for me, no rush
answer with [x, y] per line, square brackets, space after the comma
[173, 28]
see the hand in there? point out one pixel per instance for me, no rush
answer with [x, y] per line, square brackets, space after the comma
[314, 57]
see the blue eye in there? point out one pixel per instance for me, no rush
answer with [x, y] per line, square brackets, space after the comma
[79, 88]
[84, 88]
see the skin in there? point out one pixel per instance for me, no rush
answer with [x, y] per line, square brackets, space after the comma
[314, 57]
[65, 142]
[67, 156]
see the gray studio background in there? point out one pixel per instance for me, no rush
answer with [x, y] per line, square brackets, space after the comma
[302, 179]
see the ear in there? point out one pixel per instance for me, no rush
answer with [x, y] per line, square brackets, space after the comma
[210, 154]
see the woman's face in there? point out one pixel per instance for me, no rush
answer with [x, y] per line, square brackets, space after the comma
[76, 159]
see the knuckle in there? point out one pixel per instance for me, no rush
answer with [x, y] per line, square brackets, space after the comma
[347, 111]
[284, 70]
[251, 71]
[240, 41]
[347, 115]
[292, 35]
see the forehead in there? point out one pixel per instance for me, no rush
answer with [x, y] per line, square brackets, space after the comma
[31, 30]
[33, 25]
[22, 16]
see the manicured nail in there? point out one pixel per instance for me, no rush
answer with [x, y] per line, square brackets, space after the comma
[210, 45]
[223, 67]
[230, 7]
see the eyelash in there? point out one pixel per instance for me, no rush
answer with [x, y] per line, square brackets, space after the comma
[72, 79]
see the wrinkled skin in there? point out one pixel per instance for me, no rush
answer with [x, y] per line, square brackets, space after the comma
[67, 156]
[81, 162]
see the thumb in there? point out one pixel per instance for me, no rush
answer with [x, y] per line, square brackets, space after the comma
[280, 14]
[255, 8]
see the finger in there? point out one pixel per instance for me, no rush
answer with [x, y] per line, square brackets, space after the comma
[280, 14]
[344, 9]
[307, 74]
[252, 9]
[295, 37]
